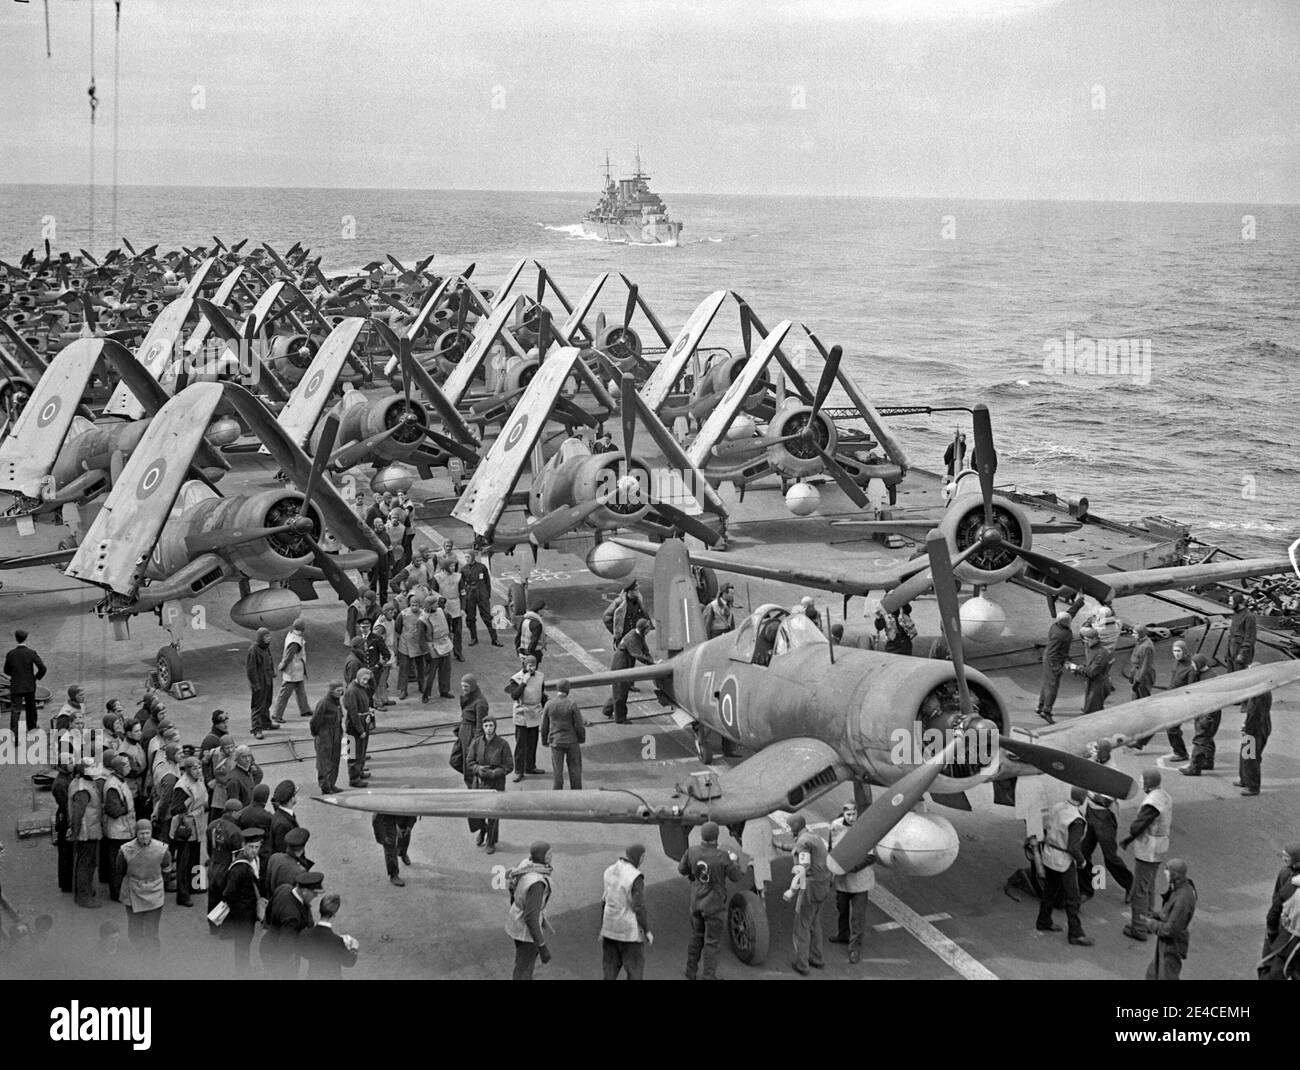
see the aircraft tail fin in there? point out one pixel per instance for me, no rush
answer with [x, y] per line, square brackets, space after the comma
[679, 623]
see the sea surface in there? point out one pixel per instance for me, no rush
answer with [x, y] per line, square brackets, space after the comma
[939, 303]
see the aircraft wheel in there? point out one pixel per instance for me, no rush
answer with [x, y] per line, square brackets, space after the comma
[706, 585]
[169, 667]
[747, 927]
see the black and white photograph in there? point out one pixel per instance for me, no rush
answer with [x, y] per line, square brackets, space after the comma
[794, 490]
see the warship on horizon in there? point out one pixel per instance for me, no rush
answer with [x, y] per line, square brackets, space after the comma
[629, 212]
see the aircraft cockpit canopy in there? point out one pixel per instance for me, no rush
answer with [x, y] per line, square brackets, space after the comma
[771, 630]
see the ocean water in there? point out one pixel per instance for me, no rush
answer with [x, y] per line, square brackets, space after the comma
[935, 302]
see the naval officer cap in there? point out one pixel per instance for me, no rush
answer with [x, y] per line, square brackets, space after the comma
[309, 879]
[296, 837]
[253, 834]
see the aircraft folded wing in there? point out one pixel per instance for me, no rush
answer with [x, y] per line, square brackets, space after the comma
[574, 320]
[857, 582]
[310, 396]
[200, 277]
[427, 309]
[720, 418]
[1147, 580]
[488, 493]
[117, 546]
[154, 354]
[1142, 717]
[654, 392]
[150, 396]
[450, 416]
[28, 454]
[486, 333]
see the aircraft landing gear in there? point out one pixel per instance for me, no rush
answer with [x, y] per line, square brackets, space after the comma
[747, 927]
[168, 665]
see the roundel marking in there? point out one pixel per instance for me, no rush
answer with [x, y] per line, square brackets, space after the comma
[152, 352]
[314, 384]
[517, 432]
[729, 701]
[151, 478]
[49, 412]
[897, 800]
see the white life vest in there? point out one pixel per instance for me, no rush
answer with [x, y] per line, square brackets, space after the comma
[619, 920]
[296, 669]
[1154, 841]
[1056, 845]
[516, 929]
[864, 880]
[144, 880]
[92, 821]
[120, 828]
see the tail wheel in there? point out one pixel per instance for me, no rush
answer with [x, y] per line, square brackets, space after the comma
[747, 928]
[169, 668]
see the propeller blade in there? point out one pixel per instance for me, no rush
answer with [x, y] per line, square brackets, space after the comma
[631, 305]
[92, 321]
[129, 247]
[1081, 772]
[855, 493]
[396, 263]
[328, 434]
[945, 591]
[1066, 575]
[692, 525]
[210, 541]
[450, 445]
[337, 578]
[600, 324]
[541, 284]
[422, 264]
[888, 810]
[389, 337]
[829, 372]
[543, 331]
[627, 413]
[90, 258]
[986, 459]
[558, 521]
[389, 299]
[746, 329]
[356, 452]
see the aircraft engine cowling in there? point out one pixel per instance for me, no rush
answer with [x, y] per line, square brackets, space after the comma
[619, 343]
[519, 373]
[288, 358]
[587, 478]
[390, 412]
[910, 711]
[963, 521]
[799, 459]
[273, 558]
[722, 373]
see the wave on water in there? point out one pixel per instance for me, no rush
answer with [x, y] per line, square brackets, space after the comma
[573, 230]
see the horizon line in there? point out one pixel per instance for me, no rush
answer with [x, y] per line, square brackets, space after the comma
[666, 193]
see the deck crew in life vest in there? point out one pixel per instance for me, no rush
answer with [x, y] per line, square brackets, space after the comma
[624, 928]
[1063, 861]
[1149, 836]
[526, 925]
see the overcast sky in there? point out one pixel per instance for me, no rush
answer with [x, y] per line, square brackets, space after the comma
[1199, 99]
